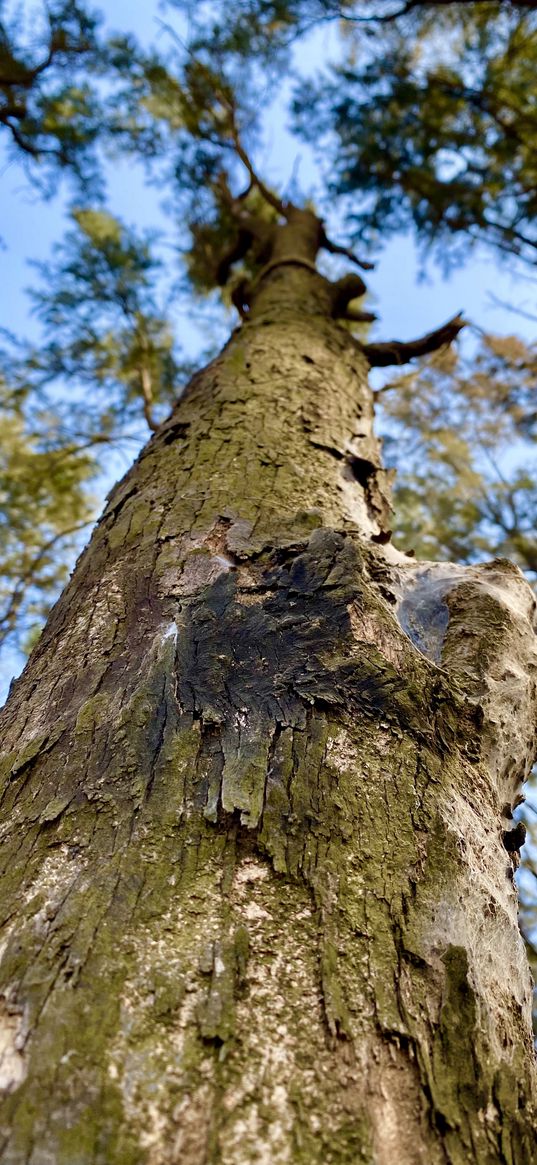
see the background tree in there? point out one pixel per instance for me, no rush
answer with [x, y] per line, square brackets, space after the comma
[47, 99]
[450, 424]
[106, 368]
[44, 506]
[435, 130]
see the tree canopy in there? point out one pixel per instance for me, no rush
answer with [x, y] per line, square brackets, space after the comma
[434, 127]
[48, 107]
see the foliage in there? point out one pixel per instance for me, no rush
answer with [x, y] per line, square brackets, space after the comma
[457, 428]
[47, 100]
[44, 505]
[108, 359]
[63, 98]
[433, 124]
[105, 325]
[430, 124]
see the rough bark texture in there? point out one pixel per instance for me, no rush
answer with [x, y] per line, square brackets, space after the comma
[255, 905]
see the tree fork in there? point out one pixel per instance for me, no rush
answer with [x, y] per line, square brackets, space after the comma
[255, 901]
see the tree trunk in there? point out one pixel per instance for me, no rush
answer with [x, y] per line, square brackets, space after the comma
[255, 902]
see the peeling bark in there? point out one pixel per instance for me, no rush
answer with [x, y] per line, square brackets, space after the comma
[255, 902]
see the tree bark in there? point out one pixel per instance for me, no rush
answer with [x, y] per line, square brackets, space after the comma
[255, 902]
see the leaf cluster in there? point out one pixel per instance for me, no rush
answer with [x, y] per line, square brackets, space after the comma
[105, 326]
[44, 507]
[106, 368]
[435, 129]
[48, 102]
[457, 429]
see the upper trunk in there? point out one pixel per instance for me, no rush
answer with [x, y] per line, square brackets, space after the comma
[255, 902]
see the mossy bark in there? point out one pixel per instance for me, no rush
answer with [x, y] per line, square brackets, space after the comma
[255, 905]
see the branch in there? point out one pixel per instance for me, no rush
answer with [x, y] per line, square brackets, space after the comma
[519, 311]
[360, 317]
[267, 194]
[343, 292]
[147, 394]
[389, 17]
[401, 351]
[412, 5]
[19, 139]
[336, 249]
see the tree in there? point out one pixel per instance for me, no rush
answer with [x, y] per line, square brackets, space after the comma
[109, 340]
[259, 773]
[44, 507]
[47, 102]
[446, 421]
[438, 139]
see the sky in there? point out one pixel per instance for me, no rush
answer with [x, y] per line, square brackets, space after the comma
[408, 301]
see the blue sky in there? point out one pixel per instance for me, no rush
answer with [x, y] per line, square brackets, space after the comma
[407, 304]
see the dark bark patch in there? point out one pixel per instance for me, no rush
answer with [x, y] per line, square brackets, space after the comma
[373, 481]
[291, 649]
[362, 470]
[513, 839]
[252, 664]
[174, 432]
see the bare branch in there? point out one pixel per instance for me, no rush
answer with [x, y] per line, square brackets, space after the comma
[336, 249]
[360, 317]
[412, 5]
[146, 383]
[19, 139]
[514, 308]
[402, 351]
[390, 17]
[343, 292]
